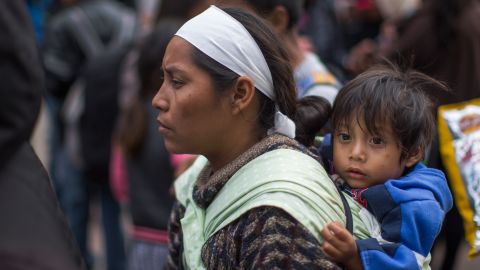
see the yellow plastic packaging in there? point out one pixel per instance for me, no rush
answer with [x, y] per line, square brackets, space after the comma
[459, 137]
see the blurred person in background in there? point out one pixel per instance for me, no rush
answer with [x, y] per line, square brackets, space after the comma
[336, 27]
[33, 230]
[83, 50]
[147, 13]
[38, 10]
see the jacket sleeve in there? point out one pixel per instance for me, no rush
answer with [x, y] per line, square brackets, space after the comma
[392, 256]
[407, 230]
[21, 78]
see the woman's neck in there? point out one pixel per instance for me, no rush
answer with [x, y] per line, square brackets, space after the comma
[236, 145]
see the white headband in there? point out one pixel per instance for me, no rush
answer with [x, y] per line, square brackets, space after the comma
[226, 40]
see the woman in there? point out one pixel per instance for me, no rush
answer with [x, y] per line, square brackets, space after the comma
[257, 198]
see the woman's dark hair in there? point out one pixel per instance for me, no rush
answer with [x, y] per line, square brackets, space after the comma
[384, 94]
[132, 124]
[277, 61]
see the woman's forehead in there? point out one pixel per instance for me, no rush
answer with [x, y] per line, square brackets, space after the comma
[178, 51]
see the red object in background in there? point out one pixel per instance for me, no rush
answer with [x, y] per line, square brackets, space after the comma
[118, 176]
[364, 5]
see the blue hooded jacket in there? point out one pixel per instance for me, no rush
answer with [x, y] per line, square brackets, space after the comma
[410, 211]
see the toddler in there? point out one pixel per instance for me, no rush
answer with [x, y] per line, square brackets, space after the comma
[382, 126]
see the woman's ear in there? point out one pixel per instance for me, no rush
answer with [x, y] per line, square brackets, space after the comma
[242, 94]
[414, 157]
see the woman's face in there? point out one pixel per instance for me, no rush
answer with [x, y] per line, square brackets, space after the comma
[193, 117]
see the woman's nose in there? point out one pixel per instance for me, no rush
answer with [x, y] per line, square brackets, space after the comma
[159, 101]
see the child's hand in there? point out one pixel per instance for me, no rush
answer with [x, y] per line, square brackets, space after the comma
[340, 245]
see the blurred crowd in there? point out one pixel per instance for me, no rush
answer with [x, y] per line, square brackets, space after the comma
[102, 65]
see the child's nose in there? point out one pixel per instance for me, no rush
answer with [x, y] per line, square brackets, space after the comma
[358, 152]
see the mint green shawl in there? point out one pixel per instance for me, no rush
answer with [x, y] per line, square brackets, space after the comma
[282, 178]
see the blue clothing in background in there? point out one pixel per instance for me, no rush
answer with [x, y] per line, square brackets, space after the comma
[38, 10]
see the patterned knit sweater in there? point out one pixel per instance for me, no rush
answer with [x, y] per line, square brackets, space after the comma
[262, 238]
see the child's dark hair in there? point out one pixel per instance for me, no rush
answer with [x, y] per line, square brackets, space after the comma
[385, 94]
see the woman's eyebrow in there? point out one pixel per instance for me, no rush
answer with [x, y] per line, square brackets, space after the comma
[173, 69]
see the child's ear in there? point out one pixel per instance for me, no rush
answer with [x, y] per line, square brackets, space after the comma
[242, 94]
[414, 157]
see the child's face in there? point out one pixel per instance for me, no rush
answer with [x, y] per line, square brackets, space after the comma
[364, 159]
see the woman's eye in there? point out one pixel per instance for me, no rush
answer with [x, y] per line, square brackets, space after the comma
[177, 83]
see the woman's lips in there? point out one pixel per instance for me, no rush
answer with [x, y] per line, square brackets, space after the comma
[161, 127]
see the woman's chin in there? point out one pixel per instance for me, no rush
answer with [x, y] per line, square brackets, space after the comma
[174, 148]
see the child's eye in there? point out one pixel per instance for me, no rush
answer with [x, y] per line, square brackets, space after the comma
[377, 141]
[343, 137]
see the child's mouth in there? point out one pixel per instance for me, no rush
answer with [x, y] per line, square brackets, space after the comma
[355, 173]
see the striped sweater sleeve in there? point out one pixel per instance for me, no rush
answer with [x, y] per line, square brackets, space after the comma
[175, 238]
